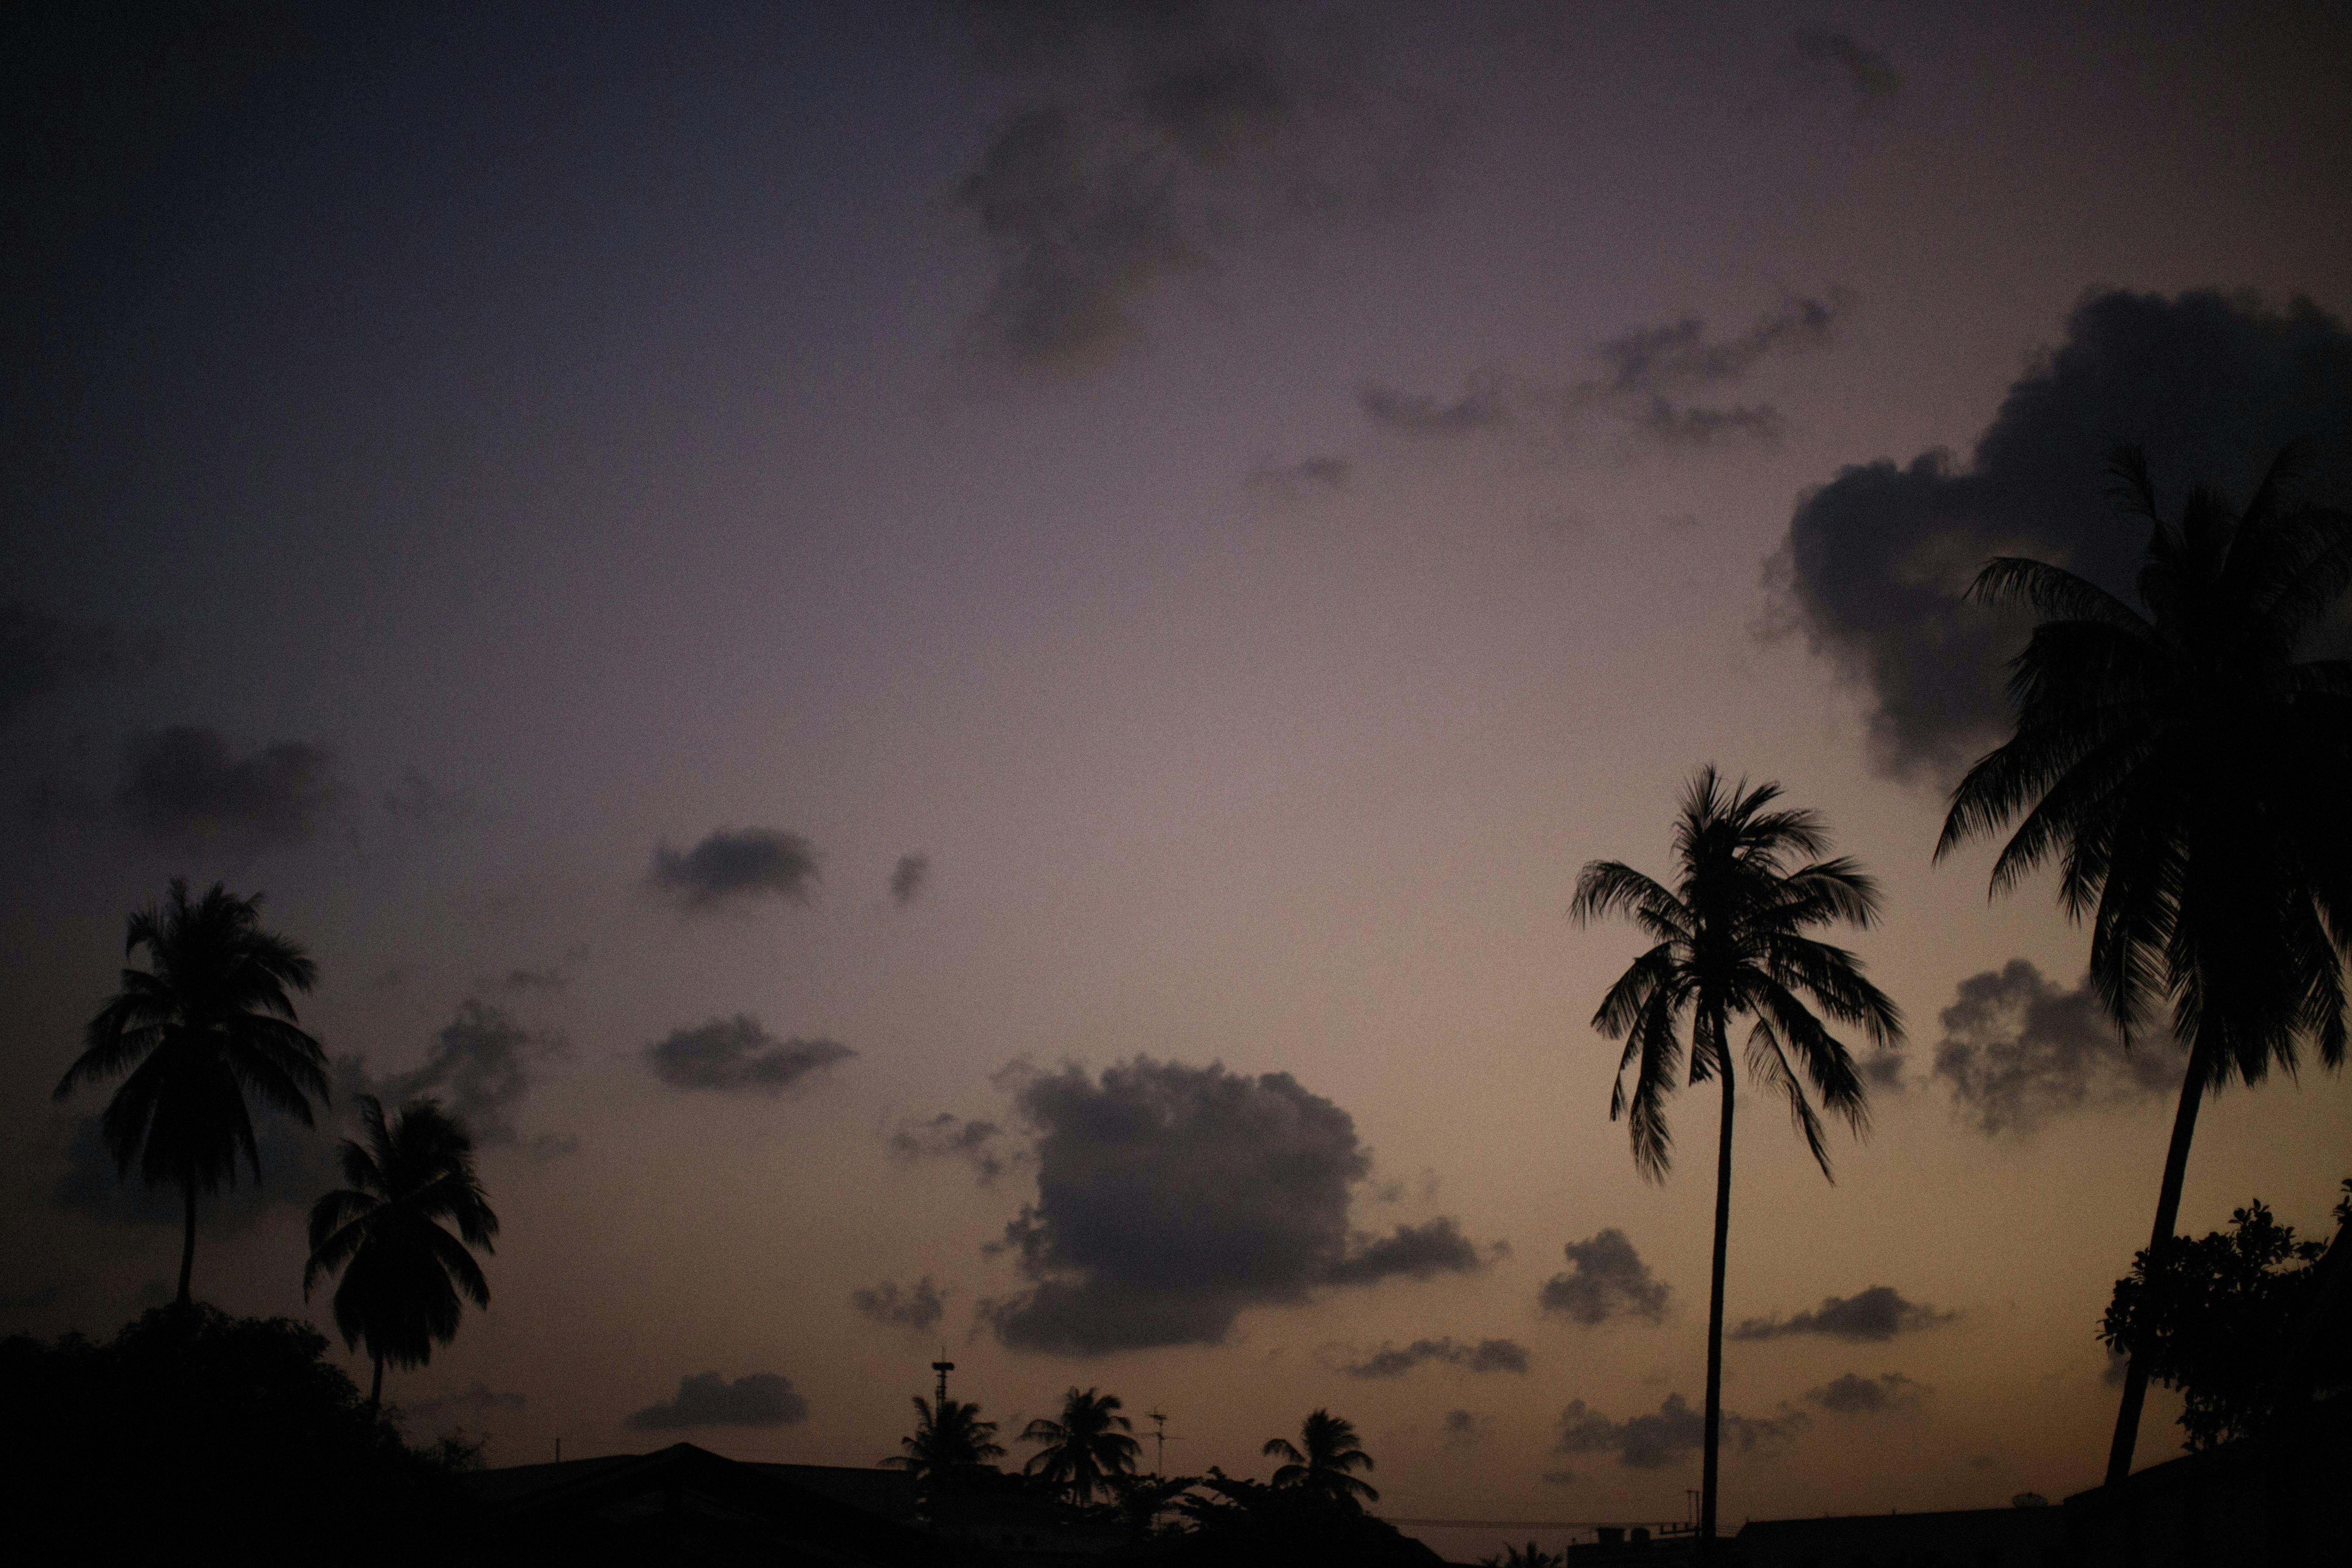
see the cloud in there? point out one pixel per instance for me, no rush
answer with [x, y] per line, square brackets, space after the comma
[1323, 472]
[1850, 1393]
[948, 1136]
[179, 787]
[707, 1399]
[918, 1306]
[480, 1069]
[737, 1056]
[31, 1301]
[1875, 561]
[1486, 1355]
[1465, 1427]
[1170, 1198]
[1877, 1313]
[1481, 406]
[1826, 53]
[2017, 1051]
[1678, 356]
[1653, 1442]
[909, 877]
[732, 867]
[1559, 1477]
[40, 654]
[1606, 1279]
[477, 1399]
[523, 978]
[418, 801]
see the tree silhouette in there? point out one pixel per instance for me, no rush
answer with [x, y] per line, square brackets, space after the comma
[1730, 942]
[1324, 1467]
[1086, 1448]
[2190, 775]
[208, 1019]
[403, 1272]
[950, 1443]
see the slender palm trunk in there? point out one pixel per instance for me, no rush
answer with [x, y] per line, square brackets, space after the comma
[1714, 1318]
[375, 1389]
[188, 1244]
[2167, 1216]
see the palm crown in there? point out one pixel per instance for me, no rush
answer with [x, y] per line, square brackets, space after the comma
[404, 1273]
[1087, 1448]
[209, 1019]
[948, 1441]
[1330, 1454]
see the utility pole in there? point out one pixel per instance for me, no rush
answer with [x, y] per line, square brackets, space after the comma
[942, 1366]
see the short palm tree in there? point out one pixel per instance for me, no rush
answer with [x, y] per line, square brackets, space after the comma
[403, 1272]
[2189, 774]
[1323, 1468]
[1731, 942]
[209, 1018]
[948, 1442]
[1086, 1448]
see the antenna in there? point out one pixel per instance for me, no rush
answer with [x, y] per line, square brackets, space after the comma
[1158, 1420]
[943, 1366]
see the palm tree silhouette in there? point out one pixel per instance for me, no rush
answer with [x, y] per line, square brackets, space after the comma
[1323, 1468]
[403, 1272]
[1086, 1448]
[2188, 774]
[1730, 942]
[208, 1019]
[949, 1441]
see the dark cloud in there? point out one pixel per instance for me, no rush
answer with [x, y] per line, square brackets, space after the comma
[707, 1399]
[1559, 1477]
[1875, 561]
[1289, 479]
[2017, 1050]
[480, 1069]
[1169, 1198]
[1850, 1393]
[41, 654]
[1464, 1426]
[1486, 1355]
[909, 877]
[1678, 356]
[733, 867]
[737, 1056]
[1869, 76]
[1883, 1071]
[1653, 1442]
[523, 978]
[1481, 406]
[1877, 1313]
[180, 787]
[1606, 1279]
[947, 1136]
[918, 1306]
[477, 1400]
[31, 1301]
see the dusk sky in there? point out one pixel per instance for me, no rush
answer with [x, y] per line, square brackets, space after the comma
[948, 667]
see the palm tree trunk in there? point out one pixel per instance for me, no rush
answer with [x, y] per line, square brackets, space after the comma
[375, 1389]
[2167, 1216]
[1715, 1320]
[188, 1246]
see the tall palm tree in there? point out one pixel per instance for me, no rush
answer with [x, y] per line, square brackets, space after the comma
[206, 1020]
[1086, 1448]
[403, 1272]
[1730, 942]
[1324, 1467]
[948, 1442]
[2189, 774]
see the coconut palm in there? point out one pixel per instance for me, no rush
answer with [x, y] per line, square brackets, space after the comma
[2188, 773]
[1086, 1448]
[403, 1272]
[208, 1019]
[948, 1442]
[1730, 942]
[1330, 1453]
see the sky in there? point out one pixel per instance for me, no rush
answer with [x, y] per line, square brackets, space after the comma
[948, 667]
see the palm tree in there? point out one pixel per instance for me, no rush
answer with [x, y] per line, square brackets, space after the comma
[948, 1442]
[208, 1019]
[1086, 1448]
[2188, 774]
[1730, 942]
[403, 1272]
[1331, 1454]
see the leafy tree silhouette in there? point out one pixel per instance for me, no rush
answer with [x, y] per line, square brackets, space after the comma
[1088, 1448]
[1730, 942]
[2188, 774]
[1331, 1454]
[403, 1272]
[208, 1019]
[950, 1444]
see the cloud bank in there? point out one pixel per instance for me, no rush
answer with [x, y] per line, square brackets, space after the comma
[736, 1056]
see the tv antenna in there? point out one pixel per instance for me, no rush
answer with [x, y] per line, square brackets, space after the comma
[943, 1366]
[1158, 1420]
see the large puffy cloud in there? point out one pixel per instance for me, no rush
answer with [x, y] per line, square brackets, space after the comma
[1606, 1279]
[707, 1399]
[737, 1056]
[1486, 1355]
[1878, 1313]
[732, 867]
[2017, 1050]
[1653, 1442]
[182, 787]
[1172, 1197]
[1875, 561]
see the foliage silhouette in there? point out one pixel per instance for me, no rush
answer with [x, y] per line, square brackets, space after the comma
[1086, 1449]
[2188, 775]
[949, 1445]
[2211, 1318]
[1324, 1467]
[1533, 1557]
[208, 1019]
[1247, 1524]
[403, 1271]
[1731, 941]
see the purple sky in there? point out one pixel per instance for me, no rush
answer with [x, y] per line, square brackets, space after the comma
[816, 612]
